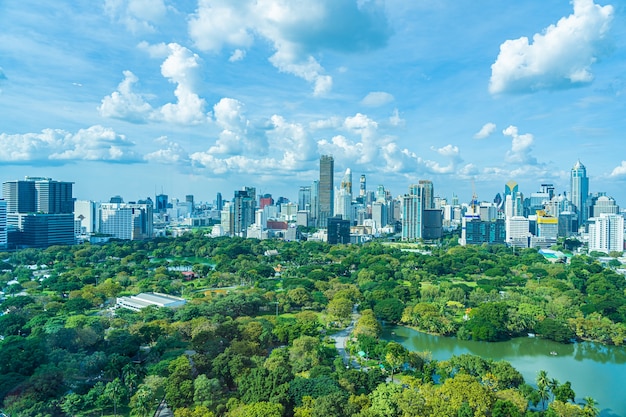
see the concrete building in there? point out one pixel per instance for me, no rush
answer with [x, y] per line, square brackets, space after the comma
[606, 233]
[128, 221]
[517, 231]
[338, 230]
[326, 190]
[3, 225]
[143, 300]
[40, 212]
[412, 212]
[579, 191]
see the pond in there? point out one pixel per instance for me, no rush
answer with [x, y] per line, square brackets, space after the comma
[594, 370]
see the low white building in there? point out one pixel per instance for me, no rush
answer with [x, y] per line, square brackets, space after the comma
[146, 299]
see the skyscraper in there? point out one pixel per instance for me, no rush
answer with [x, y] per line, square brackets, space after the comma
[346, 181]
[579, 191]
[304, 197]
[362, 186]
[326, 190]
[427, 192]
[412, 212]
[40, 212]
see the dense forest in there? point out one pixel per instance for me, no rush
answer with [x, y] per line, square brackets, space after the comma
[256, 335]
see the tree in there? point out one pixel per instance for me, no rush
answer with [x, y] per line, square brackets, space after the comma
[590, 409]
[396, 356]
[384, 400]
[340, 309]
[367, 325]
[116, 392]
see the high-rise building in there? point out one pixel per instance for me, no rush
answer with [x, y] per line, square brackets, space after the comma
[510, 188]
[338, 230]
[161, 203]
[266, 200]
[517, 231]
[86, 213]
[346, 181]
[579, 191]
[128, 221]
[412, 211]
[326, 190]
[244, 207]
[40, 212]
[3, 225]
[362, 186]
[219, 203]
[602, 204]
[427, 192]
[606, 233]
[304, 197]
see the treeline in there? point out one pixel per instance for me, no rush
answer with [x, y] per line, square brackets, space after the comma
[262, 348]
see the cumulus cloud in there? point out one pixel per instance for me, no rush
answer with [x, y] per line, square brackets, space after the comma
[448, 150]
[180, 67]
[485, 131]
[619, 171]
[377, 99]
[292, 139]
[559, 57]
[520, 146]
[171, 154]
[298, 31]
[124, 103]
[95, 143]
[137, 15]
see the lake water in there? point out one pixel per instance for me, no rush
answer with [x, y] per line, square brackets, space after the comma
[593, 369]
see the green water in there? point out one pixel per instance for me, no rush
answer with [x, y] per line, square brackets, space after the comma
[594, 370]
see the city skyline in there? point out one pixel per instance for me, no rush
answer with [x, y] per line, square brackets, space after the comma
[156, 96]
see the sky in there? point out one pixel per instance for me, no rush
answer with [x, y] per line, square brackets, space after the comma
[142, 97]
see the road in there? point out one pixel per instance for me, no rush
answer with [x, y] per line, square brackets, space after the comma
[341, 338]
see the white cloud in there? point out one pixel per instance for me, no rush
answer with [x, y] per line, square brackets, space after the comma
[448, 150]
[377, 99]
[619, 171]
[157, 50]
[171, 154]
[237, 55]
[291, 139]
[395, 119]
[180, 67]
[559, 57]
[296, 30]
[95, 143]
[124, 103]
[485, 131]
[136, 15]
[520, 146]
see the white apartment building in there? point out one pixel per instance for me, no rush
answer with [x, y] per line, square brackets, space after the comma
[606, 233]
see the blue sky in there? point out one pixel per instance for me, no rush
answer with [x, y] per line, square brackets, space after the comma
[131, 97]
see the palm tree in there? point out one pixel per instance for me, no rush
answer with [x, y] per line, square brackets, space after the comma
[590, 409]
[544, 395]
[554, 386]
[542, 379]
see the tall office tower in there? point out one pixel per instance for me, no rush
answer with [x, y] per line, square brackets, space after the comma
[40, 212]
[412, 211]
[606, 233]
[379, 215]
[3, 225]
[304, 197]
[189, 200]
[315, 202]
[326, 190]
[160, 203]
[346, 181]
[129, 221]
[547, 227]
[219, 203]
[362, 186]
[380, 194]
[510, 188]
[579, 191]
[343, 204]
[244, 207]
[427, 193]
